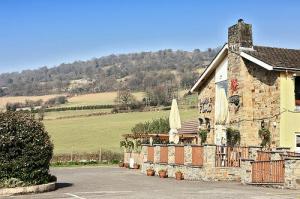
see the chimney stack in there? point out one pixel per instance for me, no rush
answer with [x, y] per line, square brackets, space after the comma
[240, 35]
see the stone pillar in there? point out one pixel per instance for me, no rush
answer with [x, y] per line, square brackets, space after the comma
[275, 155]
[292, 173]
[144, 153]
[246, 171]
[171, 154]
[209, 156]
[187, 155]
[126, 157]
[253, 152]
[156, 154]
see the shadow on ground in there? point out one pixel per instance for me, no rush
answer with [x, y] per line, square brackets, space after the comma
[61, 185]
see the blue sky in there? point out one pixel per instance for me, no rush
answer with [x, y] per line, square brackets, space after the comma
[46, 33]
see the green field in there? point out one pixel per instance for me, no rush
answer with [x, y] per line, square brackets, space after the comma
[88, 134]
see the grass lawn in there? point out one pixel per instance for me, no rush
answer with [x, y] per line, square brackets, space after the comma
[88, 134]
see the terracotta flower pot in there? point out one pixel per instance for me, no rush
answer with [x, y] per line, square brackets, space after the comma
[179, 176]
[162, 174]
[121, 164]
[150, 172]
[136, 166]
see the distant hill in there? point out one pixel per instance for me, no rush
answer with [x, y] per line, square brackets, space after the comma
[137, 71]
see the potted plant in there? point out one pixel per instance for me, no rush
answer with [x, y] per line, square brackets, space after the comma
[121, 164]
[265, 136]
[150, 171]
[126, 165]
[136, 166]
[179, 175]
[162, 173]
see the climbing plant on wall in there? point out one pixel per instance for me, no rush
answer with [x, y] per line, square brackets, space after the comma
[203, 136]
[265, 136]
[233, 137]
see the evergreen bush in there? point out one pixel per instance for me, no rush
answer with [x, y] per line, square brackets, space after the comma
[25, 149]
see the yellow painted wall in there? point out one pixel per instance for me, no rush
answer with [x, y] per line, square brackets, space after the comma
[289, 121]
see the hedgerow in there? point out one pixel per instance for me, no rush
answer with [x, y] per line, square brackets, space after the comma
[73, 108]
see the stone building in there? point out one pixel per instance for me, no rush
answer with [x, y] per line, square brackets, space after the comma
[248, 87]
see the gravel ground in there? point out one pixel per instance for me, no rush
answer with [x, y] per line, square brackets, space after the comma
[110, 182]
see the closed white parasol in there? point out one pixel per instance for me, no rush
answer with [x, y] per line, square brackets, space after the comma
[174, 120]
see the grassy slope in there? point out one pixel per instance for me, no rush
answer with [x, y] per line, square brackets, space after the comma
[88, 134]
[97, 98]
[80, 100]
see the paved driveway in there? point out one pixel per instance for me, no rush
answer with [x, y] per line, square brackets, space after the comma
[108, 182]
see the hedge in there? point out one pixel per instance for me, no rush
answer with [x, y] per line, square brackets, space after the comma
[73, 108]
[25, 149]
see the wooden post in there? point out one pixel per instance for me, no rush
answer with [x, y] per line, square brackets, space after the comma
[72, 154]
[100, 155]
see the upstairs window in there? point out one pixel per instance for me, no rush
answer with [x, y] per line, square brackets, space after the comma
[297, 92]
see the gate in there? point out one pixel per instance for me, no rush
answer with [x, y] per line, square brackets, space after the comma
[268, 171]
[230, 156]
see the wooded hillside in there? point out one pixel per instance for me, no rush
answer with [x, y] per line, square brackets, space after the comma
[136, 71]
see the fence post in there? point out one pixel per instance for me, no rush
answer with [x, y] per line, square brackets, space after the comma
[188, 155]
[72, 154]
[171, 154]
[144, 153]
[209, 152]
[246, 171]
[100, 155]
[156, 154]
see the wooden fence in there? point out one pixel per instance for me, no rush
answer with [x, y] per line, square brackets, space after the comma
[179, 155]
[230, 156]
[163, 154]
[268, 171]
[197, 155]
[150, 157]
[289, 154]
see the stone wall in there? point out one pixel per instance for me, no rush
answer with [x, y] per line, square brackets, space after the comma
[246, 171]
[209, 172]
[136, 156]
[292, 173]
[258, 91]
[206, 105]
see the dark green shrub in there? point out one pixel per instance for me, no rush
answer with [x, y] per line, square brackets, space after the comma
[156, 126]
[25, 149]
[265, 136]
[159, 126]
[233, 137]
